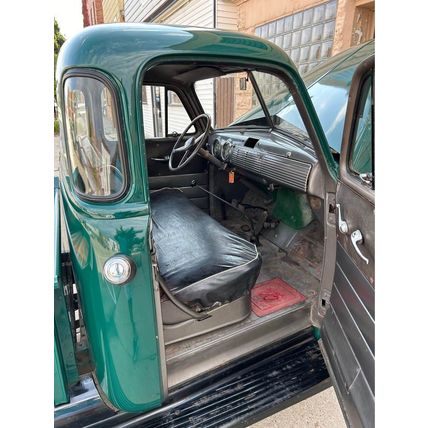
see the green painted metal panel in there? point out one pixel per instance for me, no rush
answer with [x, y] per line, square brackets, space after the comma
[64, 336]
[316, 332]
[120, 320]
[292, 208]
[60, 379]
[65, 368]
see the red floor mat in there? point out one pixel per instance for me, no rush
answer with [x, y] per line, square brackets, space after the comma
[273, 295]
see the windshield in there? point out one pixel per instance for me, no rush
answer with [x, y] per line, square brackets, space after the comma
[330, 98]
[278, 101]
[280, 105]
[329, 95]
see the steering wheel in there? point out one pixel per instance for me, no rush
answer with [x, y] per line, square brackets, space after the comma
[191, 146]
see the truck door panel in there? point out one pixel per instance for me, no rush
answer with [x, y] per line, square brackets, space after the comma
[348, 329]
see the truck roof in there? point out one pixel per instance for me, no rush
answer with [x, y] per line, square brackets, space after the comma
[122, 48]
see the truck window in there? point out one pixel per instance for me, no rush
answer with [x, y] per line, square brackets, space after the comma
[93, 138]
[361, 159]
[164, 114]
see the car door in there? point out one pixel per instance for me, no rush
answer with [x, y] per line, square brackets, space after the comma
[348, 329]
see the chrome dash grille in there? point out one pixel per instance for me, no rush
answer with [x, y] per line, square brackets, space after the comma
[280, 169]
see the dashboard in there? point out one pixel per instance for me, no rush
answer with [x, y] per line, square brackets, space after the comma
[269, 155]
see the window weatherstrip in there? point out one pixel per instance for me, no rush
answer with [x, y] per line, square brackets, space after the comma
[96, 75]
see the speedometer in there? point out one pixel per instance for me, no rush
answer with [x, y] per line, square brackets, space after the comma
[226, 150]
[217, 148]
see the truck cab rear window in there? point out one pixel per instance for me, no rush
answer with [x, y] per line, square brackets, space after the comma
[93, 138]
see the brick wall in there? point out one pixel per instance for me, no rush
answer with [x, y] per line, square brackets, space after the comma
[92, 12]
[85, 13]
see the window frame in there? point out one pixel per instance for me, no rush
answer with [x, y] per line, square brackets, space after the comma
[179, 93]
[368, 74]
[117, 107]
[288, 75]
[346, 176]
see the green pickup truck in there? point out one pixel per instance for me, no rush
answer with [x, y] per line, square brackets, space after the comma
[214, 256]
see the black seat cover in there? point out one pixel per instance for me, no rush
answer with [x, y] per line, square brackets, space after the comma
[201, 261]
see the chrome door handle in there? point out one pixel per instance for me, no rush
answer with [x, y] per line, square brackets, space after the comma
[343, 226]
[164, 159]
[357, 238]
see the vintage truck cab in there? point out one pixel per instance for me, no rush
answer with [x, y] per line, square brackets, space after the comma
[213, 263]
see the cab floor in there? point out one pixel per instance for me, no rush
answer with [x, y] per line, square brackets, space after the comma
[293, 255]
[299, 264]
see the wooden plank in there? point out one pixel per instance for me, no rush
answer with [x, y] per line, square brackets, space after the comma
[224, 101]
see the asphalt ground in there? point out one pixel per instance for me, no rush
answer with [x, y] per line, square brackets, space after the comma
[319, 411]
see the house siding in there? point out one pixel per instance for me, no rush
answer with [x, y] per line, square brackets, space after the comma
[178, 119]
[197, 13]
[227, 15]
[139, 11]
[113, 10]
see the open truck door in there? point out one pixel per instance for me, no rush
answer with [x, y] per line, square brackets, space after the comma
[348, 329]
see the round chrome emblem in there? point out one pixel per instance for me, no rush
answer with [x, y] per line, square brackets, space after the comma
[118, 270]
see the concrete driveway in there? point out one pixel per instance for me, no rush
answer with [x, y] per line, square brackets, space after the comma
[320, 411]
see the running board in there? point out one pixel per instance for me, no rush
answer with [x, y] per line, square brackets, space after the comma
[242, 393]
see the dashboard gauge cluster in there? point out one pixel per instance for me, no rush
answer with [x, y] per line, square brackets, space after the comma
[222, 149]
[216, 148]
[226, 150]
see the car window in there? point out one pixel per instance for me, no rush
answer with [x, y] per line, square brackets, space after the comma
[328, 86]
[234, 97]
[361, 158]
[280, 104]
[330, 97]
[278, 100]
[92, 138]
[163, 116]
[109, 125]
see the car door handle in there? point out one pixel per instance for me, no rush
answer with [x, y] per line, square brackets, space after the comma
[164, 159]
[357, 238]
[343, 226]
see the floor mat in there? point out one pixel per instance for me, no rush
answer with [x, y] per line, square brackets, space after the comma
[273, 295]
